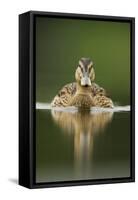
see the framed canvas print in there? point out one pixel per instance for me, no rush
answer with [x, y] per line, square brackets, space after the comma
[76, 99]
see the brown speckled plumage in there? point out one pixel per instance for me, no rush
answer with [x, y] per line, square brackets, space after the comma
[80, 95]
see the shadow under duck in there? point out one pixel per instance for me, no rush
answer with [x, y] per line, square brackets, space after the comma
[83, 93]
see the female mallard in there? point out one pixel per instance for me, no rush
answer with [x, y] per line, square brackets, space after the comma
[83, 93]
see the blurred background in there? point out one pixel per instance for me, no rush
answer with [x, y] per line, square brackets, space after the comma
[60, 43]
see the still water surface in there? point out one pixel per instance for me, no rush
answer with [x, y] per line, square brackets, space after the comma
[79, 145]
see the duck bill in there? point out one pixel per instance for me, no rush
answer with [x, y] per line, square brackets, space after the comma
[85, 81]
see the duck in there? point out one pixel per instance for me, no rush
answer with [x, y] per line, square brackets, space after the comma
[84, 92]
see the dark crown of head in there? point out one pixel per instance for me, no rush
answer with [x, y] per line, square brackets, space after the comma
[86, 61]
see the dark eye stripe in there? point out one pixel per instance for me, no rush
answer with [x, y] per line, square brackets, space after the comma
[81, 68]
[90, 68]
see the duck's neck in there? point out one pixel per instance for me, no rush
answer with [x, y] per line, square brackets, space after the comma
[83, 90]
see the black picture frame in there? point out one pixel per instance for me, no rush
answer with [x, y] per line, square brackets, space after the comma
[27, 93]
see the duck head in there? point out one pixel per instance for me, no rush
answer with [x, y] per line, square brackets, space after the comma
[85, 73]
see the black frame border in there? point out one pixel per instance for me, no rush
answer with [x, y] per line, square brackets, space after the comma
[27, 173]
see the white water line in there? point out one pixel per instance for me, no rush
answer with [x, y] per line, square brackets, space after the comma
[47, 106]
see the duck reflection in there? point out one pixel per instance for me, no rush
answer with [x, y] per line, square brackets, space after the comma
[84, 125]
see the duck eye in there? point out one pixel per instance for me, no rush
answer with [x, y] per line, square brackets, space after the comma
[80, 67]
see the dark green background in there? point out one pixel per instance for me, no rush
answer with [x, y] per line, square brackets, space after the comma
[60, 43]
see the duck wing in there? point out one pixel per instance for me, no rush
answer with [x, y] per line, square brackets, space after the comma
[97, 90]
[64, 95]
[100, 97]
